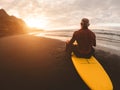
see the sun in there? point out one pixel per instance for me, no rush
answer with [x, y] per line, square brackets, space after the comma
[36, 23]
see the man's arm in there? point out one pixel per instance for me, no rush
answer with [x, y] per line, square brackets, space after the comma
[94, 40]
[72, 40]
[70, 43]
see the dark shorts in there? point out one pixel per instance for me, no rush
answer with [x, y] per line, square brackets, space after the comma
[74, 49]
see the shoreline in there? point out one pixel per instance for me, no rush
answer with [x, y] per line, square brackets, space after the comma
[108, 50]
[106, 47]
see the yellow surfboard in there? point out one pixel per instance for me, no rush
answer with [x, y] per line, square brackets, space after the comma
[92, 73]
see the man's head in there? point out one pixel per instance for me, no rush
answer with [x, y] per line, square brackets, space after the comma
[85, 23]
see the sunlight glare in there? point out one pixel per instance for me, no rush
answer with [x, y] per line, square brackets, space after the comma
[36, 23]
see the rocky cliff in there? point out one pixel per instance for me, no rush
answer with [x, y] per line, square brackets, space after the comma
[10, 25]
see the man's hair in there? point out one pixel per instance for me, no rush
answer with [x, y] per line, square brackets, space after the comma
[85, 22]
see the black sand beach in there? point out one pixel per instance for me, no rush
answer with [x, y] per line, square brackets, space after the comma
[37, 63]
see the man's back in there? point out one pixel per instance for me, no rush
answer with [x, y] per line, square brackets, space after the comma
[85, 40]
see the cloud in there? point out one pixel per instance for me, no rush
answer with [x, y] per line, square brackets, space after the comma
[65, 12]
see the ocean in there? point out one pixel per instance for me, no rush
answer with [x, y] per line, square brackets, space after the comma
[104, 38]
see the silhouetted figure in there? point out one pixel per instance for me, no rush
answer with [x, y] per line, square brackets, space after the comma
[85, 39]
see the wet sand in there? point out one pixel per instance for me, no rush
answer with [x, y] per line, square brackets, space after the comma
[38, 63]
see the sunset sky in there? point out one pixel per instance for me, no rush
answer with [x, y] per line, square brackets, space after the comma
[49, 14]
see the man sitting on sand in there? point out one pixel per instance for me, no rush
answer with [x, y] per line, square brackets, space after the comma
[85, 39]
